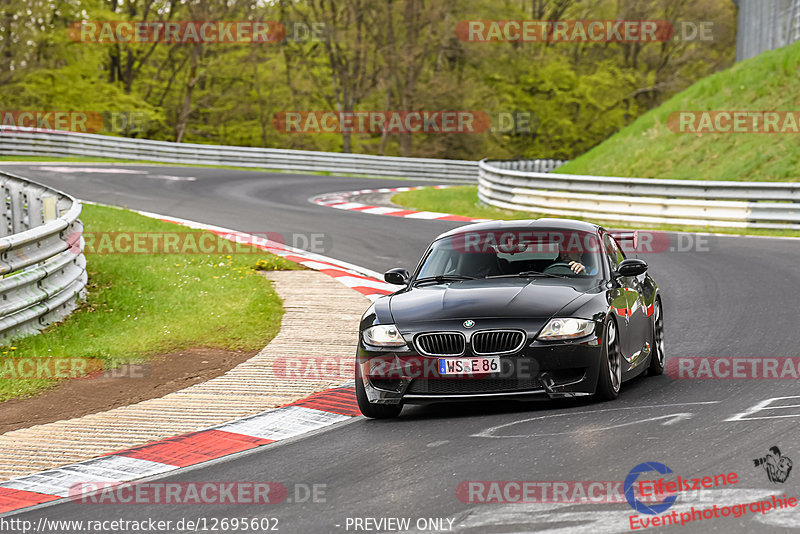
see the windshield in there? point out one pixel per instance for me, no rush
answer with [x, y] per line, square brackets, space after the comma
[509, 253]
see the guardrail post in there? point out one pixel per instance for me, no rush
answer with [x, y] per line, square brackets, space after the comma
[33, 199]
[49, 206]
[18, 220]
[6, 223]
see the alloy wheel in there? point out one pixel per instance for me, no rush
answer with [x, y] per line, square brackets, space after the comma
[614, 358]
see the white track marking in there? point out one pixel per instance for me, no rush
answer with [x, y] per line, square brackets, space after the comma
[172, 178]
[426, 215]
[88, 170]
[764, 406]
[381, 210]
[671, 419]
[99, 170]
[347, 205]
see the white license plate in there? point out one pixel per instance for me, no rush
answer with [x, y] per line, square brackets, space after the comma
[468, 366]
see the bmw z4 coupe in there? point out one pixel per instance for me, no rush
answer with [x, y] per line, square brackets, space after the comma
[511, 310]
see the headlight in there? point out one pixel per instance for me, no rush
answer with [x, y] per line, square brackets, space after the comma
[383, 335]
[566, 329]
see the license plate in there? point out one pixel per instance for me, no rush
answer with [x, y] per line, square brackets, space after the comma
[468, 366]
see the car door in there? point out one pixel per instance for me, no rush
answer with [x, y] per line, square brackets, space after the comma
[638, 320]
[622, 296]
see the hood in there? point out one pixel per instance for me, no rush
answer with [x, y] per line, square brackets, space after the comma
[483, 299]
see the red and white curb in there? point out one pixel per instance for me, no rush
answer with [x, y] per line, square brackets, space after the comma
[341, 201]
[317, 411]
[366, 281]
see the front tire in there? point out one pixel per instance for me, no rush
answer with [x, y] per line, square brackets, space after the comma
[610, 379]
[373, 411]
[658, 356]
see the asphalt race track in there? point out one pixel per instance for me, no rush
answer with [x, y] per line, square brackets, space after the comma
[723, 296]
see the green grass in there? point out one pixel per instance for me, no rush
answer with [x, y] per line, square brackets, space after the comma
[139, 305]
[463, 200]
[648, 148]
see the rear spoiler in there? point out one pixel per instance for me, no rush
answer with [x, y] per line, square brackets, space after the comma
[631, 236]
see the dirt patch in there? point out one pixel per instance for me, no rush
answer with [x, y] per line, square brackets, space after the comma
[161, 375]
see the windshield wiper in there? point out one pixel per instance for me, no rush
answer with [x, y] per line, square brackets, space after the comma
[525, 274]
[443, 278]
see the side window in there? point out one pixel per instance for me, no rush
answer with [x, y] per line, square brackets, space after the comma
[441, 263]
[612, 251]
[620, 254]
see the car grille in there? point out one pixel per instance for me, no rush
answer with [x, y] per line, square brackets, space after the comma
[497, 341]
[441, 344]
[444, 386]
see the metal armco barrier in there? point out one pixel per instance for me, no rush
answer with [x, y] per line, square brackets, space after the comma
[641, 200]
[30, 142]
[41, 257]
[19, 141]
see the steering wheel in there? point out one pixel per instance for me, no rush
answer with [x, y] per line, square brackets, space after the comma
[560, 268]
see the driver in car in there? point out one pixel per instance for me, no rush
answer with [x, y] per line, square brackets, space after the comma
[574, 259]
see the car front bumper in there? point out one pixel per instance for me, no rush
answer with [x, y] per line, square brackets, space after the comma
[540, 370]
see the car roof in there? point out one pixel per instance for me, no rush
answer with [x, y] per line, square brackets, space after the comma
[543, 224]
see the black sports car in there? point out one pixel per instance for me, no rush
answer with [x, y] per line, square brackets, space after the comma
[512, 310]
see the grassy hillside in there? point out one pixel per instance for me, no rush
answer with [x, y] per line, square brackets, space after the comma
[648, 148]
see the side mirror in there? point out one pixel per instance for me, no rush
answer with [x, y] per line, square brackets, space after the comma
[632, 267]
[398, 276]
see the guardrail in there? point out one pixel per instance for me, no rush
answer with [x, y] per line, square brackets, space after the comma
[641, 200]
[41, 256]
[20, 141]
[32, 142]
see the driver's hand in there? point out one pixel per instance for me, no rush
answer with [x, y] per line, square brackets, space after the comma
[577, 267]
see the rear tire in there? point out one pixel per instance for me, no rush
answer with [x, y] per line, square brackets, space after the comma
[658, 356]
[610, 379]
[373, 411]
